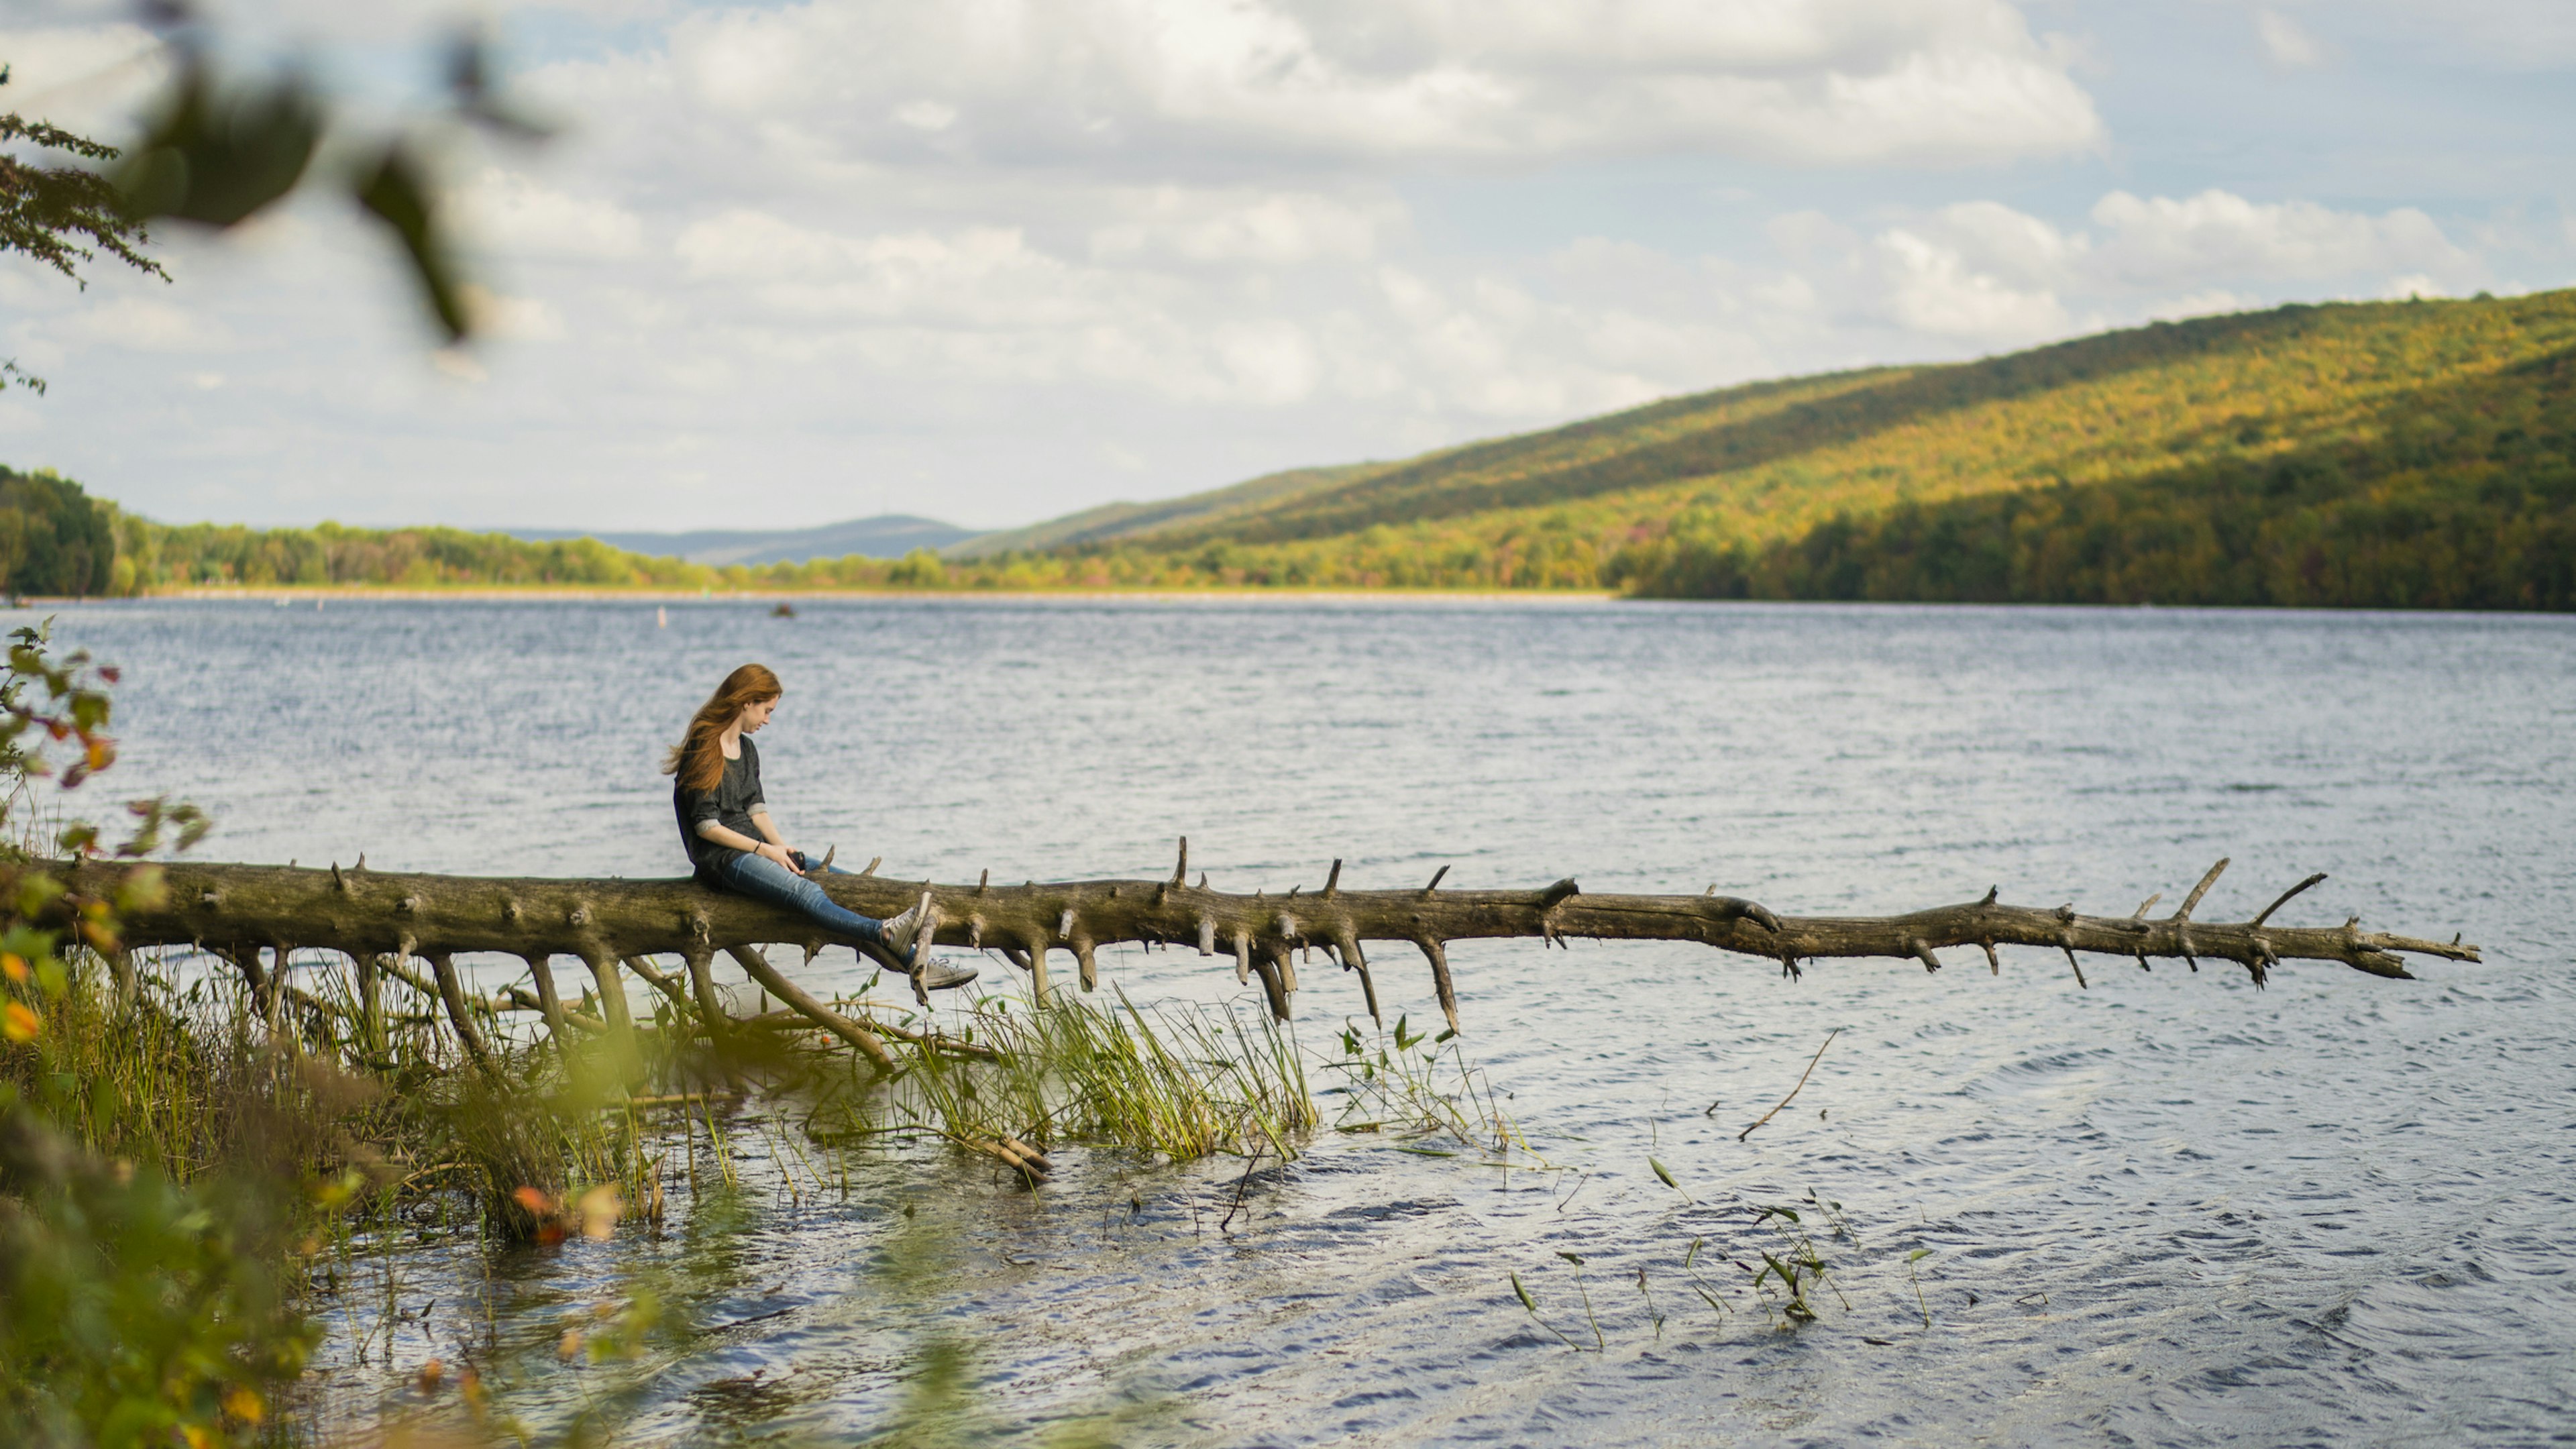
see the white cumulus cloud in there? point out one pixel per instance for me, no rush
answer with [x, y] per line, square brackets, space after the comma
[1122, 82]
[2168, 241]
[84, 77]
[1985, 273]
[516, 215]
[1936, 289]
[2286, 43]
[1272, 229]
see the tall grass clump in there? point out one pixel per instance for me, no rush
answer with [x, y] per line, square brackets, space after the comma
[1401, 1082]
[1180, 1081]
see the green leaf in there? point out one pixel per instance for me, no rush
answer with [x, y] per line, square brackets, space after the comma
[221, 157]
[398, 192]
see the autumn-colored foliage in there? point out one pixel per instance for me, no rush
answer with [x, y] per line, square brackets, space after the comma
[2394, 454]
[2386, 454]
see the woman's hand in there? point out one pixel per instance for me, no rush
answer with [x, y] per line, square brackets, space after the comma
[771, 851]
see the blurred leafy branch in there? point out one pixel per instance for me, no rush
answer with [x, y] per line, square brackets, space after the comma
[49, 700]
[219, 148]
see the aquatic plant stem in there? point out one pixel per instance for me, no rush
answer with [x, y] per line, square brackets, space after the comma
[1793, 1091]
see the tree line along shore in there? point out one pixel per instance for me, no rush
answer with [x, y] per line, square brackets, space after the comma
[2393, 455]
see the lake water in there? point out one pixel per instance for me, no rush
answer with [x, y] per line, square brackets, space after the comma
[2170, 1209]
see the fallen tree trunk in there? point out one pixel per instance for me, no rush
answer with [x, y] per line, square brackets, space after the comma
[237, 910]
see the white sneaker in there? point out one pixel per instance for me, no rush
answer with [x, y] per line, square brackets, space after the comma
[901, 935]
[942, 975]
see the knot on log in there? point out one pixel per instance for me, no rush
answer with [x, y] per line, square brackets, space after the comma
[1735, 908]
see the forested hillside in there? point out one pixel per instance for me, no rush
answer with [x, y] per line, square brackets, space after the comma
[2410, 454]
[2394, 454]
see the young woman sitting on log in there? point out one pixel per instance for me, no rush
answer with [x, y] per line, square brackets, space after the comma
[735, 845]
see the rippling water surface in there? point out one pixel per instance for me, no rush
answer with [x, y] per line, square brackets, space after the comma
[2170, 1209]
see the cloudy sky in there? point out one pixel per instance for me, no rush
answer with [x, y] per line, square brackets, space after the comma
[994, 260]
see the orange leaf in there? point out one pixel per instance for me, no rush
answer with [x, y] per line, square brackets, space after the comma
[19, 1024]
[243, 1403]
[600, 1209]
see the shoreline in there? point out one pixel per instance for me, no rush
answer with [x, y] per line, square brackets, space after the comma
[284, 595]
[601, 593]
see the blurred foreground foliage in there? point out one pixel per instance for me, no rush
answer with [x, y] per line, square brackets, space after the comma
[135, 1307]
[219, 146]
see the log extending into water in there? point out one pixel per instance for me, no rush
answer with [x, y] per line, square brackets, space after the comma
[236, 910]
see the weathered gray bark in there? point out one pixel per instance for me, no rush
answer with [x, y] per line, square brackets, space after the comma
[237, 909]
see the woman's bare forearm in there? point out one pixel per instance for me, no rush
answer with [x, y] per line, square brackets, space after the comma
[729, 837]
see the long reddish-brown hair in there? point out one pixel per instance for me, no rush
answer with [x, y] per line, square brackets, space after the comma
[698, 759]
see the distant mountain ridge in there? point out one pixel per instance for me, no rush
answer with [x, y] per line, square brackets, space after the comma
[1111, 521]
[892, 535]
[887, 535]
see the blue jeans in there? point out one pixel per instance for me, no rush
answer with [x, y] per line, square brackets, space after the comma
[769, 881]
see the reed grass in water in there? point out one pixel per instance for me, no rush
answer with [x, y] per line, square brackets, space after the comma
[1183, 1082]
